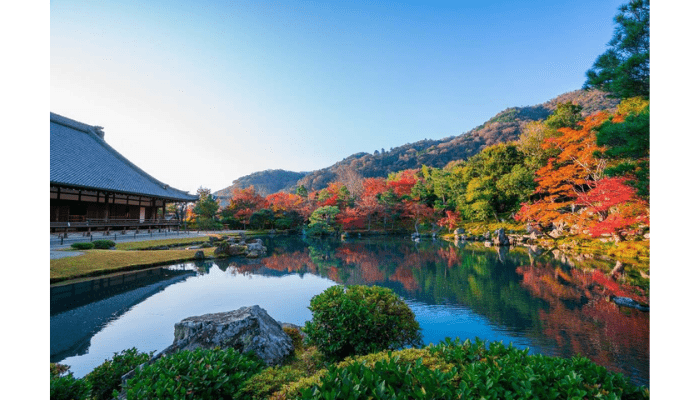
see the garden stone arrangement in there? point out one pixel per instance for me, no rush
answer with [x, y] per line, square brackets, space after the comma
[248, 329]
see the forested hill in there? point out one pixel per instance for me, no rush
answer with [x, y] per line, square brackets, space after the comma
[265, 182]
[503, 127]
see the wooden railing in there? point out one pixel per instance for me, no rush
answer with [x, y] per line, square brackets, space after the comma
[89, 224]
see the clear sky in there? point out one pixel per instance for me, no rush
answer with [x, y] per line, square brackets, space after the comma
[201, 93]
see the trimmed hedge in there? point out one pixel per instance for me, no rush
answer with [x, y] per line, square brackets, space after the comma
[103, 244]
[83, 246]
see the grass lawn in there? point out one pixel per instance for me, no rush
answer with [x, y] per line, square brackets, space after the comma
[161, 242]
[101, 262]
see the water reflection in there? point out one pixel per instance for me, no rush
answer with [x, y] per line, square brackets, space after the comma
[552, 304]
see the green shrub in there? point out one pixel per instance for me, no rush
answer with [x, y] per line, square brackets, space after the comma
[197, 374]
[103, 244]
[271, 380]
[384, 380]
[83, 245]
[431, 360]
[58, 369]
[468, 371]
[498, 371]
[360, 320]
[297, 338]
[107, 377]
[65, 387]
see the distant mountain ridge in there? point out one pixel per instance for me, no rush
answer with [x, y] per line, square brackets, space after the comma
[505, 126]
[265, 183]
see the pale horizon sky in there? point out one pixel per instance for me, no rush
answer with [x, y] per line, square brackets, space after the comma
[201, 93]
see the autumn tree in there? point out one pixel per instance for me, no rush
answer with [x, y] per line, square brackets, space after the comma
[289, 209]
[530, 143]
[450, 220]
[623, 69]
[416, 212]
[566, 176]
[369, 205]
[610, 207]
[402, 182]
[244, 203]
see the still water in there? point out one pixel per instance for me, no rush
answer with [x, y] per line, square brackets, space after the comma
[543, 301]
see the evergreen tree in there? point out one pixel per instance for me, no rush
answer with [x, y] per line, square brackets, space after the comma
[623, 70]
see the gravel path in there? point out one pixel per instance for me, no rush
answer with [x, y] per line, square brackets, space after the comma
[62, 254]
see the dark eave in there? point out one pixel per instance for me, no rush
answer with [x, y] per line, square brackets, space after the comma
[80, 158]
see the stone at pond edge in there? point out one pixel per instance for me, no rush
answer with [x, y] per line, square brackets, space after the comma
[500, 238]
[246, 329]
[199, 255]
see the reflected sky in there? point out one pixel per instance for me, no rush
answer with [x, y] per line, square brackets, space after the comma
[549, 306]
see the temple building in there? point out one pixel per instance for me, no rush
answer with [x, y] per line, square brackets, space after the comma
[93, 187]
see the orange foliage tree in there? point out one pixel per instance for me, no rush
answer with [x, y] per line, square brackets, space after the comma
[612, 206]
[566, 176]
[244, 203]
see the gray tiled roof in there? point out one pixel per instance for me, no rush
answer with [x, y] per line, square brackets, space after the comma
[80, 157]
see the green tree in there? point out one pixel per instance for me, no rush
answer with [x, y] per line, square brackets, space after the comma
[628, 144]
[493, 182]
[205, 210]
[322, 220]
[623, 70]
[302, 192]
[566, 115]
[530, 144]
[263, 218]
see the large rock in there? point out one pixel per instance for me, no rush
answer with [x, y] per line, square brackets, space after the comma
[245, 329]
[500, 238]
[255, 249]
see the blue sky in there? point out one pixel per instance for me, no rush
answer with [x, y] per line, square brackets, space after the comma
[201, 93]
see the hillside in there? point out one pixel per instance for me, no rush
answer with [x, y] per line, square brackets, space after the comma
[265, 183]
[503, 127]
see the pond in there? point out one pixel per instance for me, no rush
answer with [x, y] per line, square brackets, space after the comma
[544, 301]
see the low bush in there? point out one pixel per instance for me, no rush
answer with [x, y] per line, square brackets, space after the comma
[297, 338]
[360, 320]
[384, 380]
[83, 245]
[431, 360]
[107, 377]
[271, 380]
[64, 386]
[467, 370]
[103, 244]
[197, 374]
[498, 371]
